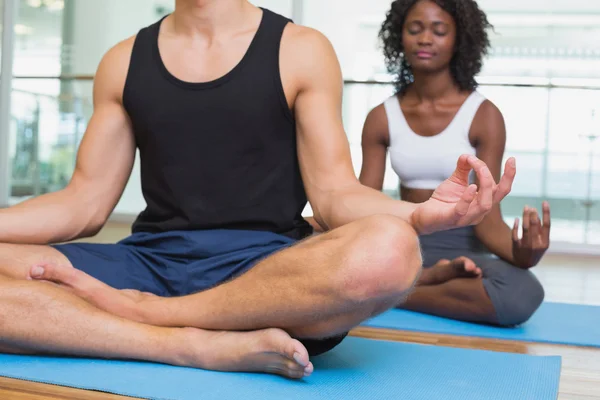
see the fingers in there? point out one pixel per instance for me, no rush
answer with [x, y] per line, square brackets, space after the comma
[505, 185]
[546, 222]
[515, 231]
[463, 168]
[462, 207]
[535, 228]
[526, 239]
[487, 184]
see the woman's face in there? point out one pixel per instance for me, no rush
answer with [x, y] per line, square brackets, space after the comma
[428, 37]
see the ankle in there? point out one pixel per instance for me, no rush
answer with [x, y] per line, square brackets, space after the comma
[189, 347]
[172, 346]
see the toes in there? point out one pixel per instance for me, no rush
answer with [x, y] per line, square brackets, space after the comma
[287, 368]
[296, 351]
[295, 359]
[293, 370]
[309, 369]
[468, 264]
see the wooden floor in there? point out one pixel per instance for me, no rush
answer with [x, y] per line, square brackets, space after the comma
[566, 279]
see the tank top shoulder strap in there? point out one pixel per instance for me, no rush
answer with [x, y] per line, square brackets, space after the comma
[397, 124]
[272, 27]
[264, 51]
[466, 114]
[142, 64]
[263, 61]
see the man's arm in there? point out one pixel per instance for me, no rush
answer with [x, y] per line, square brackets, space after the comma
[334, 192]
[104, 162]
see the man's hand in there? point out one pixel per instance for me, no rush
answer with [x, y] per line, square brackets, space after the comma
[529, 250]
[455, 203]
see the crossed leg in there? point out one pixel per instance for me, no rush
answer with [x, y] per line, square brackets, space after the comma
[477, 288]
[322, 287]
[319, 288]
[41, 318]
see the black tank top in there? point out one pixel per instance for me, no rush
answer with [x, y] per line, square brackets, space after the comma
[220, 154]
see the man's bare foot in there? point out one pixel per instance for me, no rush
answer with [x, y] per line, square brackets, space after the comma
[445, 270]
[270, 351]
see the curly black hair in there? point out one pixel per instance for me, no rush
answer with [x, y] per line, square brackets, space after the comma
[472, 42]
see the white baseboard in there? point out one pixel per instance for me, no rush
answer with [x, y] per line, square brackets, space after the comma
[568, 248]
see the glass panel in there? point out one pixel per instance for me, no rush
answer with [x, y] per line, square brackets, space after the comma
[592, 231]
[49, 116]
[1, 31]
[35, 110]
[525, 112]
[44, 138]
[530, 39]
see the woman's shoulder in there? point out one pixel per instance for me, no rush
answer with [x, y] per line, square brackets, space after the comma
[488, 121]
[376, 123]
[487, 109]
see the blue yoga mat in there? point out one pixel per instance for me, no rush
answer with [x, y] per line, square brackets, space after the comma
[556, 323]
[357, 369]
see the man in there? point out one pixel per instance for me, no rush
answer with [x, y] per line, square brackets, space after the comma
[236, 113]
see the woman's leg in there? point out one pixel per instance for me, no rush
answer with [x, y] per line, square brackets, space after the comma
[504, 295]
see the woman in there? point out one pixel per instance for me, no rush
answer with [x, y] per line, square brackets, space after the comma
[435, 49]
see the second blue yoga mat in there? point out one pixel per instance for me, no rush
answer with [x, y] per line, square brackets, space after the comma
[556, 323]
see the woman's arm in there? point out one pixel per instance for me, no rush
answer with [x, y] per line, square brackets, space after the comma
[375, 141]
[489, 133]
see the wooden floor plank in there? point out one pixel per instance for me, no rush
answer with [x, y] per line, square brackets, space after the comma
[18, 389]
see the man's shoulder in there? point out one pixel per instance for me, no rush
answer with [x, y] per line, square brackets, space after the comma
[113, 68]
[308, 53]
[305, 38]
[120, 52]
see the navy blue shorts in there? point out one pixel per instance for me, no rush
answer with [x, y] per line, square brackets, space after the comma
[180, 263]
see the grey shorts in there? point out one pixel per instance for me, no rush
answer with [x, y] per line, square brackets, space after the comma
[515, 293]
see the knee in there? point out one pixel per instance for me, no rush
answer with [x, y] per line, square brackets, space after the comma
[524, 296]
[383, 259]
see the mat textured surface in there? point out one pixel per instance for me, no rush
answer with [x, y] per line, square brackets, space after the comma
[357, 369]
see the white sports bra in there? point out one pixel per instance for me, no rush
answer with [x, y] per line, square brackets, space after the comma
[423, 162]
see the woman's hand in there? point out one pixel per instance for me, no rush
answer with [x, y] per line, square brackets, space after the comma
[529, 250]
